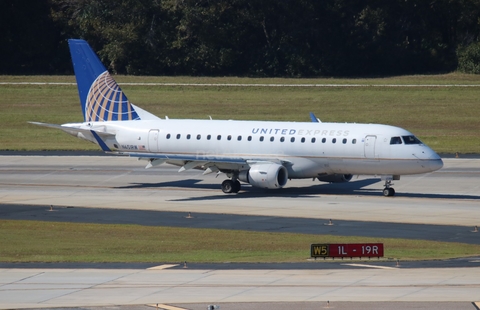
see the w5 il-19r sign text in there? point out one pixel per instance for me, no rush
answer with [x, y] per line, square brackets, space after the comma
[347, 250]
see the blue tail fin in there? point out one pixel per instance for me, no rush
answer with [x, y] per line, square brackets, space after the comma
[100, 96]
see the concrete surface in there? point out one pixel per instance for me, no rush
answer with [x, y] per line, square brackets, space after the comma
[21, 288]
[447, 197]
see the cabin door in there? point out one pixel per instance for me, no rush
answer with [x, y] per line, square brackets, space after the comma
[153, 140]
[370, 146]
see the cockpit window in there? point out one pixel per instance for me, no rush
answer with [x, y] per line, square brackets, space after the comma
[411, 140]
[395, 140]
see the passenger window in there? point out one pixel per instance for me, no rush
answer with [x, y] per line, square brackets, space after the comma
[292, 139]
[334, 140]
[209, 137]
[303, 140]
[249, 138]
[324, 140]
[229, 137]
[168, 136]
[282, 139]
[313, 140]
[272, 139]
[344, 141]
[199, 137]
[354, 141]
[219, 137]
[239, 138]
[396, 140]
[261, 138]
[188, 136]
[179, 136]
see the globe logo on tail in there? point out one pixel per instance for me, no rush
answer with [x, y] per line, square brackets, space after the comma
[107, 102]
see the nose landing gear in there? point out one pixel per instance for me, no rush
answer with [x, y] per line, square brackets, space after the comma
[388, 191]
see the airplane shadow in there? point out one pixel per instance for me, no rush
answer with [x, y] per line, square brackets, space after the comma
[355, 188]
[187, 183]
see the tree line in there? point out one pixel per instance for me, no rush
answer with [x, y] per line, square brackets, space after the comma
[287, 38]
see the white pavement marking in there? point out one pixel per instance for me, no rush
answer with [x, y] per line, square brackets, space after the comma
[165, 307]
[36, 83]
[298, 85]
[162, 267]
[370, 266]
[255, 85]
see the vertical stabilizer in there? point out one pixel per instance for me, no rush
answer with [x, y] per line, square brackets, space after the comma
[100, 96]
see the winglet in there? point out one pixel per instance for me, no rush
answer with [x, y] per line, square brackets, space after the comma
[100, 96]
[314, 118]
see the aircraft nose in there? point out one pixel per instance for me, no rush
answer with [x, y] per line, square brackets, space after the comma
[431, 160]
[435, 163]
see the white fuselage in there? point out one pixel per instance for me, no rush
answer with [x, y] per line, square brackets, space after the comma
[310, 149]
[261, 153]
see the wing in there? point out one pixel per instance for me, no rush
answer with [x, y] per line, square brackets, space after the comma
[207, 162]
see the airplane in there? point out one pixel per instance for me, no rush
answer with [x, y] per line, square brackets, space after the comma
[264, 154]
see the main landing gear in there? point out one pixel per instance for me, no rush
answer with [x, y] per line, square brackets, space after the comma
[388, 191]
[231, 186]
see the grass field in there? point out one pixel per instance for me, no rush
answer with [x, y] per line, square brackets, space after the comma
[33, 241]
[445, 118]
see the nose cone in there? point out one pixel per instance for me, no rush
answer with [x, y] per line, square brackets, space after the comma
[430, 160]
[435, 163]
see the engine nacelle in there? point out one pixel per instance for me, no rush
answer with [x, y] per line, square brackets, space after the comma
[336, 178]
[270, 176]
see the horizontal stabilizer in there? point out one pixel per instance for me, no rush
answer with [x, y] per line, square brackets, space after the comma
[74, 130]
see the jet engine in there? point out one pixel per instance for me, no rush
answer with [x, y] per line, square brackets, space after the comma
[269, 175]
[336, 178]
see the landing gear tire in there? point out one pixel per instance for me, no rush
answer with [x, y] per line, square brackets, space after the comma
[236, 186]
[227, 186]
[388, 192]
[230, 186]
